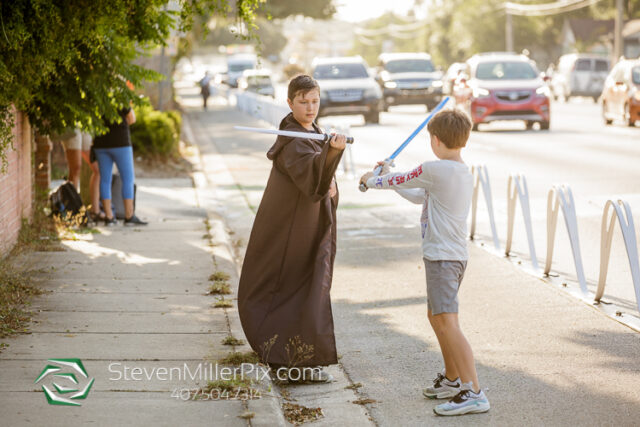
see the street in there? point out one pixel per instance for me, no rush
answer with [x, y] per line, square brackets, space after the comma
[378, 294]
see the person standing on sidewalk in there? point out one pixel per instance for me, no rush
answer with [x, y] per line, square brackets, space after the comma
[444, 188]
[283, 297]
[115, 147]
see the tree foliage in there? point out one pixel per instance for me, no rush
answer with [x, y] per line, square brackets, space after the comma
[66, 63]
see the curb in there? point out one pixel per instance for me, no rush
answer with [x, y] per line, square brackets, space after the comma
[223, 249]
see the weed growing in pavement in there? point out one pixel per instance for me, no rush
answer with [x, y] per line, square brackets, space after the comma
[237, 358]
[247, 415]
[298, 414]
[219, 276]
[222, 303]
[353, 386]
[231, 340]
[298, 352]
[219, 288]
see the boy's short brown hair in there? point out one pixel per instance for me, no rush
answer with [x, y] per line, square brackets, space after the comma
[452, 127]
[303, 84]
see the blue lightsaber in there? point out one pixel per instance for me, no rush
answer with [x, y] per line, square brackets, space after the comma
[402, 146]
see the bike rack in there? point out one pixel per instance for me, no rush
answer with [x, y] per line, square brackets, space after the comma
[481, 177]
[625, 219]
[561, 196]
[517, 188]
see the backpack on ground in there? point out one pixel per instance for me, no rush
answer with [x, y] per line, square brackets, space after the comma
[66, 203]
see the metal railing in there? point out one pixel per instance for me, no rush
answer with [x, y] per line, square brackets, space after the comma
[560, 196]
[625, 219]
[481, 178]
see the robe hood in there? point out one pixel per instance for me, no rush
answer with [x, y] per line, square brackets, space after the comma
[288, 123]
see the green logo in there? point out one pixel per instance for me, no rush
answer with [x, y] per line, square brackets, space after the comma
[61, 394]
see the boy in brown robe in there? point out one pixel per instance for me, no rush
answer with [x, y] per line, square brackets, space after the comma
[283, 298]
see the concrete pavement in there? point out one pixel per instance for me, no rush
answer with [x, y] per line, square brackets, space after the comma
[544, 357]
[130, 302]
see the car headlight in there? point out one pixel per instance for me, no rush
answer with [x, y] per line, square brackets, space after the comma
[373, 92]
[480, 92]
[543, 91]
[390, 85]
[436, 83]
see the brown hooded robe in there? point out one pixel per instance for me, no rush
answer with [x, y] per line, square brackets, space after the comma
[288, 267]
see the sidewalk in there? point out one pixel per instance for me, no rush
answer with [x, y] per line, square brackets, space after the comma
[544, 357]
[135, 297]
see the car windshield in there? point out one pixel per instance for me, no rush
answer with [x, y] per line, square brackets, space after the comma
[240, 66]
[505, 70]
[340, 71]
[259, 80]
[635, 75]
[409, 66]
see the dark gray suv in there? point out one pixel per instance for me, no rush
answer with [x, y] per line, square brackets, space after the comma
[409, 78]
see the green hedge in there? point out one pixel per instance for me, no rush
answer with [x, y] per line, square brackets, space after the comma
[156, 133]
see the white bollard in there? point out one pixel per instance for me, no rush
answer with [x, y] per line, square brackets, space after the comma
[517, 189]
[481, 178]
[625, 219]
[561, 196]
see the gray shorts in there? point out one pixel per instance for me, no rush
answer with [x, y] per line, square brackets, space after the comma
[443, 281]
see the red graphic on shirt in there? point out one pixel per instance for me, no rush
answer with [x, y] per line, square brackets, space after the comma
[401, 179]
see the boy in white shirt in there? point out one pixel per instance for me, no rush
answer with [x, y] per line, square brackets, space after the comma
[444, 188]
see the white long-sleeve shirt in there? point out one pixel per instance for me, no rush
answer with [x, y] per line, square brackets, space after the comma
[444, 188]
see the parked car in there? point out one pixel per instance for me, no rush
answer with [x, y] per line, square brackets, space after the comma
[453, 73]
[579, 74]
[346, 88]
[408, 78]
[257, 81]
[621, 94]
[503, 86]
[236, 64]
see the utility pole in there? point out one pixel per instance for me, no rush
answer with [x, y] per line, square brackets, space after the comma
[618, 48]
[509, 32]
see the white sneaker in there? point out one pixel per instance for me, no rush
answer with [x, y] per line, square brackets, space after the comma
[465, 402]
[442, 388]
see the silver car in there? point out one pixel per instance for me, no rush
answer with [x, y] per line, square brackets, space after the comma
[579, 74]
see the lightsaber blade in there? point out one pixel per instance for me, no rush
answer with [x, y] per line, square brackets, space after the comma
[402, 146]
[319, 136]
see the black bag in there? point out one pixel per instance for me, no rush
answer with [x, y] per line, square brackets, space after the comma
[66, 203]
[117, 203]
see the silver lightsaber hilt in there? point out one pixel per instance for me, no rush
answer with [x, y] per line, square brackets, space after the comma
[376, 172]
[327, 137]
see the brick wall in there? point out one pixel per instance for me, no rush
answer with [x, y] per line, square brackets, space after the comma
[16, 188]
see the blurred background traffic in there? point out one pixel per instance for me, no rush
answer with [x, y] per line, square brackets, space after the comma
[499, 61]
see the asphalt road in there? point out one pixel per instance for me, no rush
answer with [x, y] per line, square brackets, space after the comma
[598, 162]
[545, 359]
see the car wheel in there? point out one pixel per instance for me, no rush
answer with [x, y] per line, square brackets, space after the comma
[544, 125]
[595, 99]
[529, 124]
[607, 121]
[474, 127]
[627, 116]
[372, 117]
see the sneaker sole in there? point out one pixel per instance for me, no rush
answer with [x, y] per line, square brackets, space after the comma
[476, 409]
[443, 395]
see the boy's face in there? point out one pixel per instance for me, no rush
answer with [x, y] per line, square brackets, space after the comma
[305, 107]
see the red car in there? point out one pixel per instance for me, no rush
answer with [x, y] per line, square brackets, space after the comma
[621, 94]
[504, 86]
